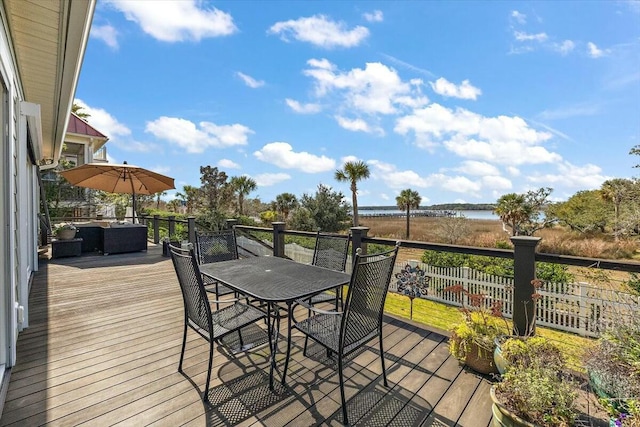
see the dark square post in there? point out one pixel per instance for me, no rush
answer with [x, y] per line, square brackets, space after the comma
[524, 273]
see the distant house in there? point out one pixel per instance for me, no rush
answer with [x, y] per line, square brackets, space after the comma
[42, 45]
[82, 144]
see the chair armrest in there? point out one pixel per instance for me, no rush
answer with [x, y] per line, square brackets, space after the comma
[213, 291]
[315, 309]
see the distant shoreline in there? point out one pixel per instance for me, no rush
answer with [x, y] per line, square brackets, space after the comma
[478, 214]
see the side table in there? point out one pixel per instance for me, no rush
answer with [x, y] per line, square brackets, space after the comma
[62, 248]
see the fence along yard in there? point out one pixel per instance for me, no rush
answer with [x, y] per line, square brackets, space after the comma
[579, 308]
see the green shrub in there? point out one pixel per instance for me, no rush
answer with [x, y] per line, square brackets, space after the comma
[553, 273]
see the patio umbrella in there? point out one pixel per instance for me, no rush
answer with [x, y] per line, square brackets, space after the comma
[122, 178]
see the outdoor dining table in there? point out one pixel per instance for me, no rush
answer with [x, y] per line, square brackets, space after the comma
[274, 281]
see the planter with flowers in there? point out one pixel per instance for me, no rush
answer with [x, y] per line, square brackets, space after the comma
[473, 340]
[535, 389]
[65, 231]
[613, 367]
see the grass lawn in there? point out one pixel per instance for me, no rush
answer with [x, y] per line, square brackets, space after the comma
[444, 317]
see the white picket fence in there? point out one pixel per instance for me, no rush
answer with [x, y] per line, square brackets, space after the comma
[580, 308]
[576, 307]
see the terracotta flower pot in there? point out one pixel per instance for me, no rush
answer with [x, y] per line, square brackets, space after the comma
[480, 360]
[477, 358]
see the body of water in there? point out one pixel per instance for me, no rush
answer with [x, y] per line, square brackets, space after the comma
[397, 212]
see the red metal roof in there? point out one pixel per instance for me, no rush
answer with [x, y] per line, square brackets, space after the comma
[79, 126]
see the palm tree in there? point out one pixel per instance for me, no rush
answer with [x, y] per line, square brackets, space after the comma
[189, 196]
[243, 185]
[615, 191]
[353, 172]
[174, 205]
[158, 195]
[285, 203]
[513, 211]
[407, 200]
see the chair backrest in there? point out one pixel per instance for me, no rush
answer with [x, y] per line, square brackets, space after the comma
[331, 251]
[364, 304]
[197, 310]
[216, 246]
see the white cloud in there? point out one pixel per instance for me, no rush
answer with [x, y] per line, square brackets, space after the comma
[228, 164]
[309, 108]
[358, 125]
[464, 91]
[197, 139]
[568, 175]
[268, 179]
[103, 121]
[321, 31]
[375, 16]
[501, 139]
[472, 167]
[376, 89]
[106, 33]
[346, 159]
[495, 182]
[282, 155]
[518, 17]
[250, 81]
[565, 47]
[174, 21]
[521, 36]
[118, 133]
[594, 52]
[513, 171]
[397, 179]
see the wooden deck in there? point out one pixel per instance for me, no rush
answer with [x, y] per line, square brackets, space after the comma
[103, 347]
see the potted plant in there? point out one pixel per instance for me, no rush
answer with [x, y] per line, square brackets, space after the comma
[473, 340]
[513, 342]
[613, 367]
[535, 390]
[65, 231]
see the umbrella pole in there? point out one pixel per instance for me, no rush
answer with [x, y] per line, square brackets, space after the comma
[133, 205]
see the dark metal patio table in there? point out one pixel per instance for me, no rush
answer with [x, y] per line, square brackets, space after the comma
[274, 280]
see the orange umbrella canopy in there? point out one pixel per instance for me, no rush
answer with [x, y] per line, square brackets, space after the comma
[118, 178]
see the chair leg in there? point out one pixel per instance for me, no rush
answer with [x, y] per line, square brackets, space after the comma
[289, 329]
[384, 372]
[205, 396]
[345, 419]
[184, 344]
[306, 337]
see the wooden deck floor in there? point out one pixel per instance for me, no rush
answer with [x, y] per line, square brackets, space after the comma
[103, 347]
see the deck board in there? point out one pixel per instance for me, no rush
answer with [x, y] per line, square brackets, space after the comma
[104, 341]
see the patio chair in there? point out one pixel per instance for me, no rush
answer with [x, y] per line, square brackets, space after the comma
[216, 247]
[330, 252]
[210, 325]
[360, 321]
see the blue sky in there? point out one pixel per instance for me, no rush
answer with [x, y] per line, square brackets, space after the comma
[460, 101]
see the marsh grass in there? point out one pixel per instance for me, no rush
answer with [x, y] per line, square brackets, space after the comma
[489, 234]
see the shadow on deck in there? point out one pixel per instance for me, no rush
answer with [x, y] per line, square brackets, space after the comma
[104, 341]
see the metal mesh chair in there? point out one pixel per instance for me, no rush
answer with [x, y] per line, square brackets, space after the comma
[330, 252]
[360, 321]
[211, 325]
[216, 247]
